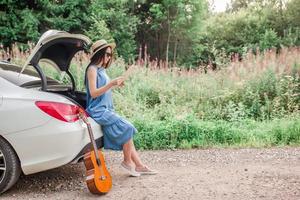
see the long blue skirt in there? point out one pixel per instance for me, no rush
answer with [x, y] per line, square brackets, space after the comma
[116, 130]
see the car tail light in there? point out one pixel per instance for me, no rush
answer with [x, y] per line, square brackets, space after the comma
[61, 111]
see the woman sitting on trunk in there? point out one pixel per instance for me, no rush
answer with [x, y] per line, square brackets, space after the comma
[118, 132]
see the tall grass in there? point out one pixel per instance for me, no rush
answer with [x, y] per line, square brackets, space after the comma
[253, 102]
[250, 103]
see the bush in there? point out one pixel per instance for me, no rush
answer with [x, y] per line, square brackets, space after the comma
[269, 40]
[191, 133]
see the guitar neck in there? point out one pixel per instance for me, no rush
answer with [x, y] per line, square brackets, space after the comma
[93, 143]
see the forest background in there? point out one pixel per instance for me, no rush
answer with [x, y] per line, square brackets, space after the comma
[201, 78]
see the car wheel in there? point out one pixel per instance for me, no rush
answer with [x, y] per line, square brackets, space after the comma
[10, 169]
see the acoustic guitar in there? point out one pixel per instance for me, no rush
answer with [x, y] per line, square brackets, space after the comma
[98, 179]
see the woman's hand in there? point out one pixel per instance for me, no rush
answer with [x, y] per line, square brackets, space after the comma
[119, 82]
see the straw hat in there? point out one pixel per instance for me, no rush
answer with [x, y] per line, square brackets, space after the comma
[101, 44]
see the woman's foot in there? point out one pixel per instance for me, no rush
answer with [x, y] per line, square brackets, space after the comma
[145, 170]
[129, 169]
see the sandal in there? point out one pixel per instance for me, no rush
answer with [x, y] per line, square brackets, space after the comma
[130, 170]
[145, 170]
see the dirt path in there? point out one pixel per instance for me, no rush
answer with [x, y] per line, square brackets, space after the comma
[184, 174]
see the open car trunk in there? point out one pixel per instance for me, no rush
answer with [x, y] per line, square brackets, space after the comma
[67, 91]
[30, 79]
[57, 48]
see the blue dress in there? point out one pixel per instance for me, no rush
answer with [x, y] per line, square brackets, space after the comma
[116, 130]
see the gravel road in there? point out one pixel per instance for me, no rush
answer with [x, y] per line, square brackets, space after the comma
[184, 174]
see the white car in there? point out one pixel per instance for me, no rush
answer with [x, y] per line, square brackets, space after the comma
[39, 124]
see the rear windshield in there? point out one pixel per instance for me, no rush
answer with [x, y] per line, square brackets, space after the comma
[11, 73]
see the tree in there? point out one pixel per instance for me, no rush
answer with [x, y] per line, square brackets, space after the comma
[169, 24]
[98, 30]
[293, 13]
[17, 22]
[22, 21]
[116, 16]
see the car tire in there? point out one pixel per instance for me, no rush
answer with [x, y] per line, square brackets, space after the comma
[10, 169]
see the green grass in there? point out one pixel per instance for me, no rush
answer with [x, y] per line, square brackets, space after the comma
[194, 133]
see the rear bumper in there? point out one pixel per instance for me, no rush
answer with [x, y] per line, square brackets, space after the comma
[52, 145]
[87, 148]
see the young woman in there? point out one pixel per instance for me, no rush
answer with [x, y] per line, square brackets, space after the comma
[118, 132]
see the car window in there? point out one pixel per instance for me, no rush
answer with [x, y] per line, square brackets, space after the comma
[77, 69]
[52, 71]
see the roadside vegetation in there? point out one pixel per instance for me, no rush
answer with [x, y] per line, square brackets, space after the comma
[255, 102]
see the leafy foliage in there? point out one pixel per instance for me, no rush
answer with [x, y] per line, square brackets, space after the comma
[169, 27]
[247, 25]
[24, 21]
[181, 32]
[115, 15]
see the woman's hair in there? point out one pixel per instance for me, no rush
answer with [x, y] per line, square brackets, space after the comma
[96, 59]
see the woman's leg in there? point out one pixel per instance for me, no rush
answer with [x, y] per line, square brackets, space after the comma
[130, 154]
[135, 157]
[127, 151]
[139, 166]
